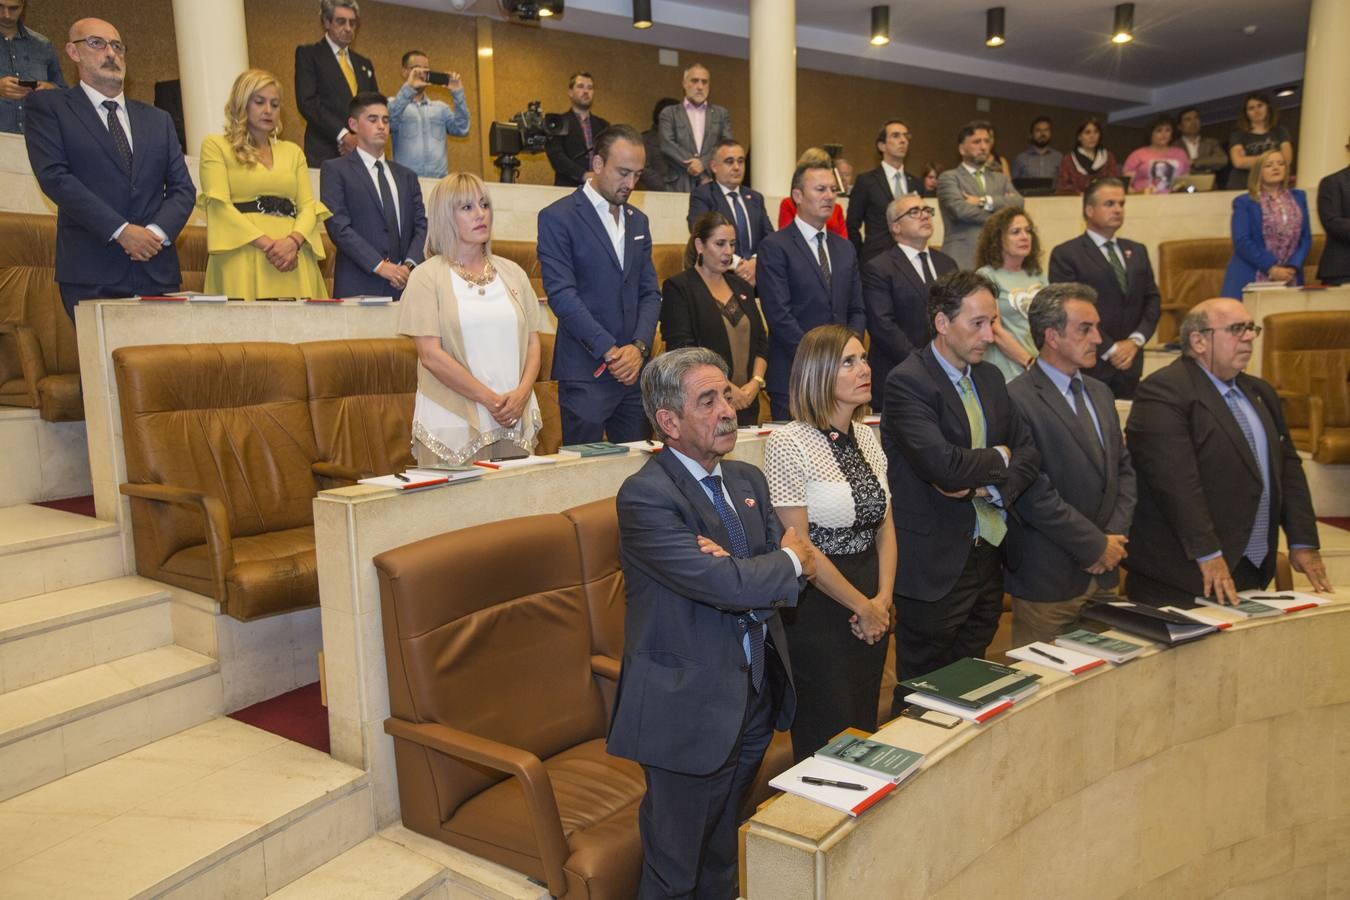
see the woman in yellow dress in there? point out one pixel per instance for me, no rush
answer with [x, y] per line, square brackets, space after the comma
[262, 220]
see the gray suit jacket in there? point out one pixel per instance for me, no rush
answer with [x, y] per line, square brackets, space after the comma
[961, 222]
[1074, 503]
[677, 142]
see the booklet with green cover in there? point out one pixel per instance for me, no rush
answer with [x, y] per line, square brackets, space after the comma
[595, 448]
[872, 757]
[1108, 648]
[971, 682]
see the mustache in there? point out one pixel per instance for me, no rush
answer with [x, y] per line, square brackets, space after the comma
[725, 427]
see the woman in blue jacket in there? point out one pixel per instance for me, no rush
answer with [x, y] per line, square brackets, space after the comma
[1271, 231]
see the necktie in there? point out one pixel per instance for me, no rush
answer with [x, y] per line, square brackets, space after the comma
[587, 137]
[1258, 545]
[824, 260]
[898, 184]
[753, 629]
[979, 179]
[119, 136]
[390, 213]
[742, 225]
[345, 65]
[988, 523]
[928, 277]
[1117, 265]
[1080, 406]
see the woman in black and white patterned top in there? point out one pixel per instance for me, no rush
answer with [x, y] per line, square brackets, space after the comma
[827, 477]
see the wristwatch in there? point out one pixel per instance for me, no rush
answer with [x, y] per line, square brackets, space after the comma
[642, 347]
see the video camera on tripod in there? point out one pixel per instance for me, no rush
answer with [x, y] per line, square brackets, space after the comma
[529, 131]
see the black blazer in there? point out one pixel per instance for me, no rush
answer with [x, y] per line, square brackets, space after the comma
[1333, 208]
[867, 204]
[567, 154]
[926, 436]
[712, 197]
[1199, 484]
[322, 94]
[897, 311]
[690, 317]
[1075, 501]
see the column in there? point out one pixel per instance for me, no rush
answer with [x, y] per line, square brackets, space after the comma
[773, 94]
[212, 51]
[1325, 118]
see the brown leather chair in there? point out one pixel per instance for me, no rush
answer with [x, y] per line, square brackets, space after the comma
[361, 403]
[219, 447]
[496, 712]
[549, 438]
[1305, 355]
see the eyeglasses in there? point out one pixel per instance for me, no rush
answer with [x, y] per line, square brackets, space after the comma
[94, 42]
[918, 212]
[1238, 329]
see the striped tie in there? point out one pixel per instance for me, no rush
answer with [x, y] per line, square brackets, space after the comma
[1258, 545]
[752, 628]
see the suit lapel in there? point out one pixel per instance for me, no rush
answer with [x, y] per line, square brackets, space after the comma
[709, 520]
[902, 263]
[800, 243]
[1057, 402]
[84, 111]
[1267, 422]
[1219, 407]
[591, 217]
[362, 175]
[742, 502]
[332, 72]
[630, 241]
[1098, 256]
[140, 136]
[948, 392]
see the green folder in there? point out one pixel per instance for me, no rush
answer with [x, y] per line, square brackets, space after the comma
[972, 683]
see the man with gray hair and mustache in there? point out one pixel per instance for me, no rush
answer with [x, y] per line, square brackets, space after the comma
[328, 75]
[705, 676]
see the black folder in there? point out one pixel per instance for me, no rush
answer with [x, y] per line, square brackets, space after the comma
[1149, 622]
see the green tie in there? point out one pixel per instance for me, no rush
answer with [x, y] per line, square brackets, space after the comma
[1113, 257]
[989, 523]
[979, 179]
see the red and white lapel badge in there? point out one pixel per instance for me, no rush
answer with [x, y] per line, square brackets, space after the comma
[750, 502]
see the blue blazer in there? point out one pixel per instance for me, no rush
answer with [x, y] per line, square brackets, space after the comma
[357, 225]
[682, 689]
[79, 168]
[711, 197]
[794, 296]
[598, 304]
[1249, 245]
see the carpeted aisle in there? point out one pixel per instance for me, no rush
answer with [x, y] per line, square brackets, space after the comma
[297, 716]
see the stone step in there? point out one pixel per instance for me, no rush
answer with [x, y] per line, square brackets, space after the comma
[44, 550]
[54, 634]
[375, 869]
[41, 460]
[221, 809]
[59, 726]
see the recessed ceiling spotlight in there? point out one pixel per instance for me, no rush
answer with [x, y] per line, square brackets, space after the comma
[1286, 92]
[1249, 30]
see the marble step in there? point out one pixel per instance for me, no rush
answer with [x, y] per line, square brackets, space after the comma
[221, 809]
[44, 550]
[375, 869]
[53, 634]
[59, 726]
[41, 460]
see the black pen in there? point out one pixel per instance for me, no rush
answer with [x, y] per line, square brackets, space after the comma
[1039, 652]
[401, 477]
[825, 782]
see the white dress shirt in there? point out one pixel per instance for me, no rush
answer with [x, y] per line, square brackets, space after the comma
[614, 229]
[891, 171]
[913, 256]
[1100, 241]
[734, 201]
[369, 162]
[809, 232]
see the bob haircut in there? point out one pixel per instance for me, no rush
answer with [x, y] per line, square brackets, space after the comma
[1254, 176]
[814, 370]
[449, 194]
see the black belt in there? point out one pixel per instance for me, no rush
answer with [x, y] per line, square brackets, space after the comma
[269, 206]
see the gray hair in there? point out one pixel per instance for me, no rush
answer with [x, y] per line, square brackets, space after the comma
[328, 7]
[663, 380]
[1195, 321]
[1047, 307]
[893, 208]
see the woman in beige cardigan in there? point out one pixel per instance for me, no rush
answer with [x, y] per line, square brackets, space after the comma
[475, 320]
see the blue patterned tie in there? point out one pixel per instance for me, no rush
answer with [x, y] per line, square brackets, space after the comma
[740, 547]
[742, 226]
[119, 137]
[1258, 545]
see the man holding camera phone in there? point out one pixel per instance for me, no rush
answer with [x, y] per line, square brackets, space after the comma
[419, 124]
[28, 63]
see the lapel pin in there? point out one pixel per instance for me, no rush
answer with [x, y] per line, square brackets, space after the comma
[750, 502]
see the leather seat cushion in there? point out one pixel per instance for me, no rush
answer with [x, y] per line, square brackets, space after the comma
[60, 398]
[273, 572]
[1334, 448]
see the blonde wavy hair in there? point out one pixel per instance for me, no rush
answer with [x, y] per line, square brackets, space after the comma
[246, 85]
[449, 194]
[1254, 184]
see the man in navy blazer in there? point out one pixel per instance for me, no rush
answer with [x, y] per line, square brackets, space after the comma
[375, 252]
[705, 676]
[743, 207]
[115, 171]
[328, 74]
[806, 277]
[595, 252]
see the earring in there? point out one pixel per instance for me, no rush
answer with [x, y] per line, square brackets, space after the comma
[698, 261]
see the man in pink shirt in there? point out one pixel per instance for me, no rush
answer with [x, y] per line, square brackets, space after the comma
[691, 130]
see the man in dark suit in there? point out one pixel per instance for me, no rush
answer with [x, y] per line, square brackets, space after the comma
[114, 169]
[570, 154]
[690, 130]
[742, 207]
[806, 277]
[969, 193]
[704, 682]
[595, 253]
[1076, 515]
[1333, 208]
[379, 225]
[959, 456]
[1218, 472]
[1119, 271]
[895, 289]
[328, 74]
[874, 190]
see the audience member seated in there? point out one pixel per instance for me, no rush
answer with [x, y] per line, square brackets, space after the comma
[1153, 168]
[690, 130]
[328, 76]
[1258, 130]
[1333, 208]
[654, 176]
[419, 125]
[787, 207]
[1039, 160]
[928, 181]
[1271, 229]
[262, 221]
[969, 193]
[827, 479]
[707, 305]
[475, 321]
[1009, 255]
[1087, 161]
[876, 188]
[1206, 154]
[743, 207]
[1211, 505]
[30, 57]
[570, 154]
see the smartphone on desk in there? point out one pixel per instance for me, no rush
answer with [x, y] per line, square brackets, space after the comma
[441, 78]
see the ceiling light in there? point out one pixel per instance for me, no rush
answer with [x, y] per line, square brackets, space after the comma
[881, 26]
[1287, 92]
[642, 13]
[1123, 30]
[993, 27]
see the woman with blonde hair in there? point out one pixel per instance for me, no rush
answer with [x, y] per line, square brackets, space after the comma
[1270, 228]
[262, 220]
[1008, 253]
[475, 320]
[787, 210]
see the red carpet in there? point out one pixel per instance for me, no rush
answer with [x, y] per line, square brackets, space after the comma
[83, 506]
[1336, 521]
[297, 716]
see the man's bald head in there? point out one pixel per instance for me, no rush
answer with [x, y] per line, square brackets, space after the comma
[1218, 333]
[91, 26]
[103, 69]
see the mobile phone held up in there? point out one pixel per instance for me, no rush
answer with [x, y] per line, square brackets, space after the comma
[441, 78]
[30, 84]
